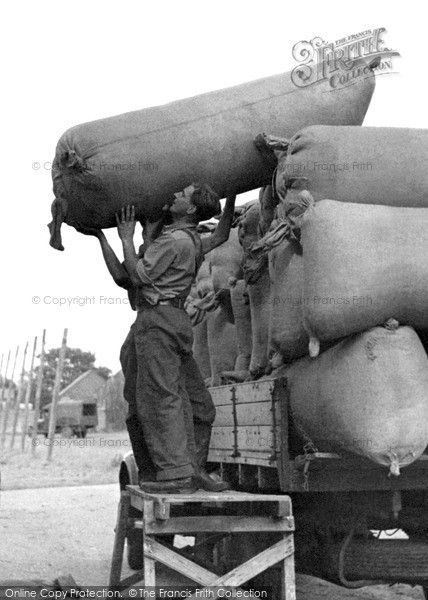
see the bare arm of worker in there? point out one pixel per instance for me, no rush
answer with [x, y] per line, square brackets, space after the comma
[114, 266]
[221, 234]
[125, 220]
[151, 231]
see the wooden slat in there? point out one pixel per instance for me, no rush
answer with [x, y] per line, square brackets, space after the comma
[252, 438]
[149, 568]
[251, 568]
[288, 573]
[256, 413]
[230, 524]
[201, 496]
[119, 539]
[252, 391]
[171, 559]
[253, 458]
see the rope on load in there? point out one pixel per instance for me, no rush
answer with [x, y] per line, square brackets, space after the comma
[286, 228]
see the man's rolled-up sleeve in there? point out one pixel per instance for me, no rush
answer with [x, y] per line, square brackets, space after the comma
[158, 257]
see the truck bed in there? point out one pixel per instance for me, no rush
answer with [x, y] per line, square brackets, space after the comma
[254, 435]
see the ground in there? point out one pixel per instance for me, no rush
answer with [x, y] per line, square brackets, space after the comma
[50, 531]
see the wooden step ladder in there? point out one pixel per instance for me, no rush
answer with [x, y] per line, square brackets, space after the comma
[205, 512]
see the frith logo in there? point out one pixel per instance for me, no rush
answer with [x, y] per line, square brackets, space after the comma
[343, 61]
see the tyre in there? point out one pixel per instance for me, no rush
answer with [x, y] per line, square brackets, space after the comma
[66, 432]
[128, 475]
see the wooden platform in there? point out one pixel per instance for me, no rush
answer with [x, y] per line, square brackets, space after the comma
[205, 512]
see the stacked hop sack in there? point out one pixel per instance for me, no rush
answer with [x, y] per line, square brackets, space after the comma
[242, 317]
[361, 263]
[365, 165]
[287, 335]
[259, 292]
[362, 165]
[215, 340]
[143, 157]
[366, 395]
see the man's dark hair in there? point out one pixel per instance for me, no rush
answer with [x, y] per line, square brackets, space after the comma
[206, 201]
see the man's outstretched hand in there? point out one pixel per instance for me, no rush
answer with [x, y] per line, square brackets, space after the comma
[125, 220]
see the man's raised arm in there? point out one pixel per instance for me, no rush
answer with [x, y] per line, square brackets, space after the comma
[221, 234]
[125, 220]
[114, 266]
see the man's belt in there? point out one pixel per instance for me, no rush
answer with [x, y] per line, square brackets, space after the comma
[175, 302]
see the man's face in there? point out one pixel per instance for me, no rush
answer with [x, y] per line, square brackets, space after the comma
[182, 203]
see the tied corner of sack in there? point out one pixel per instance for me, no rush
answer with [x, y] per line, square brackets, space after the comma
[255, 263]
[58, 210]
[271, 147]
[300, 209]
[69, 160]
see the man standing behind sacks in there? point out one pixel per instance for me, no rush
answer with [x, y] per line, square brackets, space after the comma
[163, 386]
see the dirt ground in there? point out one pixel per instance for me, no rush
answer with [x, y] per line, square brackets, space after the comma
[48, 532]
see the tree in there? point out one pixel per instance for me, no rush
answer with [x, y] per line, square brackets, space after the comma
[76, 362]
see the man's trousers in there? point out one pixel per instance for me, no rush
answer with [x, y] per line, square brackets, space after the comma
[166, 394]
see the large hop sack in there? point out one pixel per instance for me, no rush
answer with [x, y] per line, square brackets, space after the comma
[259, 293]
[366, 395]
[363, 265]
[199, 325]
[204, 283]
[242, 319]
[143, 157]
[260, 301]
[215, 337]
[222, 344]
[287, 334]
[225, 262]
[200, 348]
[365, 165]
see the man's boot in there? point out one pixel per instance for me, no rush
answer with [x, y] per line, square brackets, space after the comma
[202, 478]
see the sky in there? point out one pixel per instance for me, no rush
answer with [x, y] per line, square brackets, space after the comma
[68, 63]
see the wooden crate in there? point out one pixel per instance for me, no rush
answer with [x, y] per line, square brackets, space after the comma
[247, 428]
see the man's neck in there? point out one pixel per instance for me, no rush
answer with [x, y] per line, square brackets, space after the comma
[182, 220]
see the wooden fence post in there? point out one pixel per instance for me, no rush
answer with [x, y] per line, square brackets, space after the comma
[2, 380]
[38, 394]
[7, 407]
[27, 396]
[55, 394]
[19, 397]
[3, 387]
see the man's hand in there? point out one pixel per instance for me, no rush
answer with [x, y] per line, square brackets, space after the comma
[221, 234]
[125, 220]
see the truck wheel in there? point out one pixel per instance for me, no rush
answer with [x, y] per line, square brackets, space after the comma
[66, 432]
[128, 475]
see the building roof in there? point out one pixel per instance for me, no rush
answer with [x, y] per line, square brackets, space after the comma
[84, 386]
